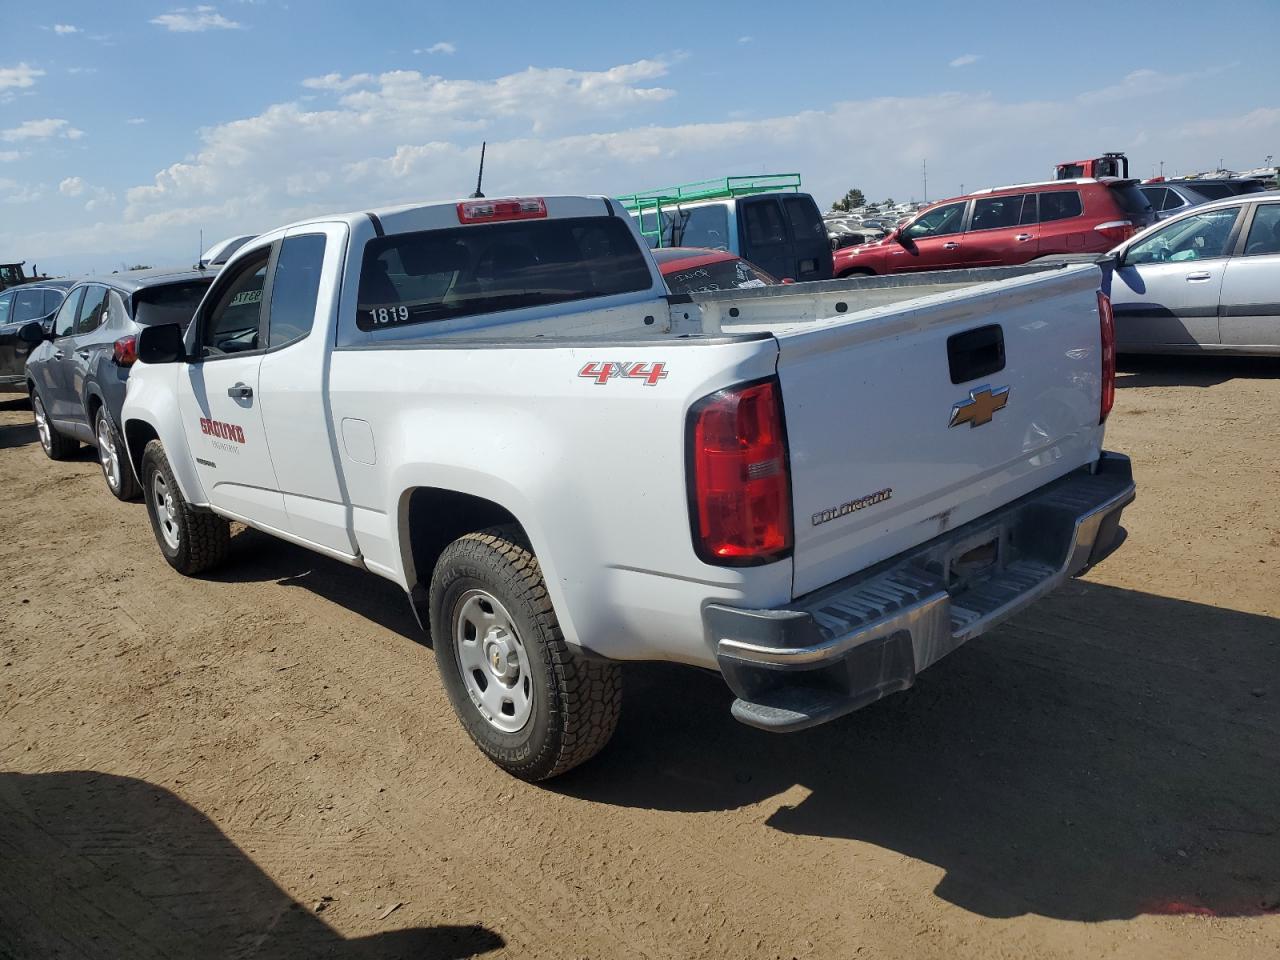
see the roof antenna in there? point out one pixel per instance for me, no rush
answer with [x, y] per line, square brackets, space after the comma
[200, 252]
[479, 176]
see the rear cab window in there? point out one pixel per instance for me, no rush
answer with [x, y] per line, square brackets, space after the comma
[436, 275]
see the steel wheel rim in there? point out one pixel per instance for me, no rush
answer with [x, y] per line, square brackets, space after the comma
[42, 423]
[166, 511]
[108, 456]
[493, 661]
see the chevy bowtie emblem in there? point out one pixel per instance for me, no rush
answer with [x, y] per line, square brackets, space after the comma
[981, 406]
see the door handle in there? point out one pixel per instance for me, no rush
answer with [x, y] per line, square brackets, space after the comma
[82, 354]
[1022, 237]
[241, 391]
[58, 354]
[950, 246]
[1202, 275]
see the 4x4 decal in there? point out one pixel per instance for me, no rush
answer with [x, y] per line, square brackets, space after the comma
[602, 371]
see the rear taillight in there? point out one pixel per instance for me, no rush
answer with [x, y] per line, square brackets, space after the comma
[739, 483]
[1107, 323]
[124, 351]
[493, 211]
[1117, 231]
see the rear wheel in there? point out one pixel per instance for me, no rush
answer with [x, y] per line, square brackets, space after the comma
[858, 272]
[191, 540]
[54, 444]
[531, 703]
[116, 469]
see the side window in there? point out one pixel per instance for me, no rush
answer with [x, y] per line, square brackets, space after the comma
[706, 227]
[1059, 205]
[28, 305]
[231, 324]
[806, 222]
[1172, 201]
[52, 298]
[1030, 212]
[64, 324]
[939, 222]
[93, 309]
[1197, 237]
[1156, 196]
[764, 223]
[1264, 235]
[6, 306]
[295, 289]
[992, 213]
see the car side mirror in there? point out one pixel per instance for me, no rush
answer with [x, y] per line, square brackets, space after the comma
[161, 344]
[32, 334]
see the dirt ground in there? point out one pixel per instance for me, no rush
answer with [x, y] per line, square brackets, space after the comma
[263, 763]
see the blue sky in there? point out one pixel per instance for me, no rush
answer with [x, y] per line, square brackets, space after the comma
[126, 128]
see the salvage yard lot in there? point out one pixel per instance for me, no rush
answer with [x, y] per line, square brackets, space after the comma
[263, 763]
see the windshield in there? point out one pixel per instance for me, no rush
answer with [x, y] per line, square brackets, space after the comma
[721, 275]
[169, 303]
[444, 274]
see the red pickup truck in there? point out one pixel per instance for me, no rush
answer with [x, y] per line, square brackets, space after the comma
[1007, 226]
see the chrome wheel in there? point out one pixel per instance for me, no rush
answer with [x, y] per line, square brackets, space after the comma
[108, 455]
[166, 510]
[42, 423]
[493, 661]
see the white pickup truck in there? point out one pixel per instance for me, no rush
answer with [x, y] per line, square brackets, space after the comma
[817, 490]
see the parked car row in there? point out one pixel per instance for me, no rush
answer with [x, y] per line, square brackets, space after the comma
[74, 362]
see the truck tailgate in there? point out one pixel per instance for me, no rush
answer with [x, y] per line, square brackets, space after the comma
[877, 465]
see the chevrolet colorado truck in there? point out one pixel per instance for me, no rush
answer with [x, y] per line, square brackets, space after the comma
[817, 490]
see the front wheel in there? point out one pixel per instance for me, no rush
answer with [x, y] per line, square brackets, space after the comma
[54, 444]
[532, 704]
[191, 540]
[116, 469]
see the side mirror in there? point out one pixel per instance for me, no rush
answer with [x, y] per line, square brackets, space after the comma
[32, 334]
[161, 344]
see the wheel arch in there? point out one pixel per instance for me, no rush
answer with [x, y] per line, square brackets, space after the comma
[137, 434]
[430, 519]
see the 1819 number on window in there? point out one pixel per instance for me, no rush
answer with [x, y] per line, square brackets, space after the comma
[389, 314]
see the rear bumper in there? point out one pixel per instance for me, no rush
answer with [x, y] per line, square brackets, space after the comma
[847, 645]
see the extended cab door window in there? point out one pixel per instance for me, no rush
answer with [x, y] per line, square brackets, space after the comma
[233, 324]
[295, 289]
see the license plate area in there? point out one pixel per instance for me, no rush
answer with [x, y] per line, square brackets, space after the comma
[975, 558]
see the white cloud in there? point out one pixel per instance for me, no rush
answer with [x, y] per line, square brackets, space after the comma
[40, 130]
[19, 77]
[71, 187]
[444, 46]
[136, 120]
[27, 193]
[8, 156]
[194, 20]
[965, 59]
[746, 39]
[371, 140]
[63, 29]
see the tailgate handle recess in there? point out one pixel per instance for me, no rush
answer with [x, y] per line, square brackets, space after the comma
[976, 353]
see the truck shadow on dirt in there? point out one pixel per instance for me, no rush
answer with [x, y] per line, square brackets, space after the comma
[1192, 371]
[260, 558]
[1107, 754]
[96, 865]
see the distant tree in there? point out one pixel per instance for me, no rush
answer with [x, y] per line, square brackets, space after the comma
[851, 200]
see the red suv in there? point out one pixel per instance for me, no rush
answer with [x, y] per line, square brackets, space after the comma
[1006, 226]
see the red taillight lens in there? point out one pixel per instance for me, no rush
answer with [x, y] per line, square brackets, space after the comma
[740, 487]
[1107, 322]
[124, 351]
[493, 211]
[1116, 231]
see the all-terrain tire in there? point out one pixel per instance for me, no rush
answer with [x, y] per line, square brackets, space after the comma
[575, 700]
[192, 540]
[54, 444]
